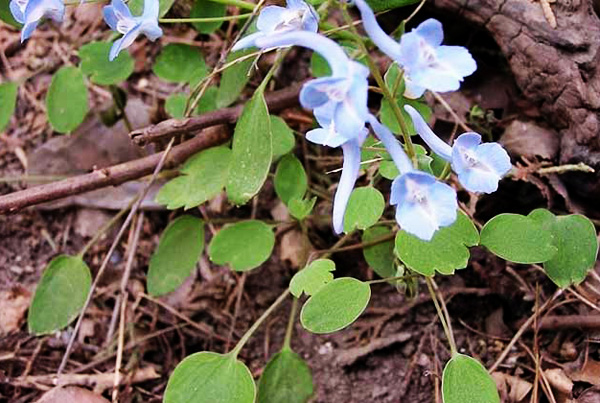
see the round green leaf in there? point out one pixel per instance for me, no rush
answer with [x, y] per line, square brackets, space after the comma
[180, 247]
[251, 151]
[574, 237]
[210, 377]
[335, 306]
[300, 208]
[518, 239]
[203, 176]
[244, 245]
[319, 66]
[208, 102]
[290, 179]
[312, 278]
[95, 63]
[67, 99]
[446, 252]
[175, 105]
[8, 101]
[388, 117]
[286, 378]
[365, 207]
[465, 380]
[380, 257]
[388, 170]
[179, 63]
[60, 295]
[283, 137]
[207, 9]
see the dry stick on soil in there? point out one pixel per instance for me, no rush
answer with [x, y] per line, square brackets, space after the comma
[121, 173]
[122, 302]
[134, 209]
[522, 330]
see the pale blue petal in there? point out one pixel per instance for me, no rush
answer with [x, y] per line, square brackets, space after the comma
[16, 11]
[347, 121]
[431, 31]
[28, 30]
[247, 41]
[55, 10]
[269, 18]
[121, 10]
[438, 146]
[387, 45]
[412, 90]
[437, 79]
[325, 137]
[350, 171]
[316, 93]
[122, 43]
[392, 145]
[151, 10]
[110, 17]
[409, 52]
[444, 203]
[457, 59]
[324, 113]
[310, 21]
[151, 30]
[330, 50]
[295, 5]
[495, 156]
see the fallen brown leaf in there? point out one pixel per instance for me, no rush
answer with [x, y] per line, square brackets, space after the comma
[14, 304]
[512, 388]
[71, 394]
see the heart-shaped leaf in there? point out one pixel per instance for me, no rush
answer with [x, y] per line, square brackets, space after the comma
[446, 252]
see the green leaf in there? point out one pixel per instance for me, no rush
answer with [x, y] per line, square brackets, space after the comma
[290, 179]
[283, 137]
[518, 239]
[6, 15]
[8, 102]
[319, 66]
[207, 9]
[60, 295]
[312, 278]
[95, 63]
[234, 79]
[388, 117]
[203, 176]
[394, 81]
[574, 237]
[301, 208]
[252, 151]
[244, 245]
[286, 378]
[175, 258]
[137, 7]
[380, 257]
[335, 306]
[175, 105]
[465, 380]
[367, 155]
[382, 5]
[210, 377]
[365, 207]
[388, 170]
[446, 252]
[67, 99]
[179, 63]
[208, 102]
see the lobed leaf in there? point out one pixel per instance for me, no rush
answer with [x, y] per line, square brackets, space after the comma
[312, 278]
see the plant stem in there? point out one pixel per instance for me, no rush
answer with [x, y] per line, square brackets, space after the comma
[207, 19]
[447, 331]
[236, 350]
[290, 326]
[385, 280]
[410, 150]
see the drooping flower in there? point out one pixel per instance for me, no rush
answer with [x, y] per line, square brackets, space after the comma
[350, 170]
[479, 167]
[427, 64]
[272, 20]
[119, 18]
[30, 12]
[423, 204]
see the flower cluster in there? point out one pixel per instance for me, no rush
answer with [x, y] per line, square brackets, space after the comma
[117, 16]
[339, 101]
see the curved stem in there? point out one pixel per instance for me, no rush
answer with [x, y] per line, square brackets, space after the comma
[290, 326]
[238, 347]
[207, 19]
[447, 331]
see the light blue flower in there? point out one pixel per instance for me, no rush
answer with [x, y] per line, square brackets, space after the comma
[427, 64]
[273, 20]
[119, 18]
[479, 167]
[30, 12]
[423, 204]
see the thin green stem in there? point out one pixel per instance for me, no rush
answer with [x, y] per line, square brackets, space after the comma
[440, 313]
[236, 350]
[105, 228]
[207, 19]
[287, 342]
[387, 279]
[244, 5]
[410, 150]
[280, 56]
